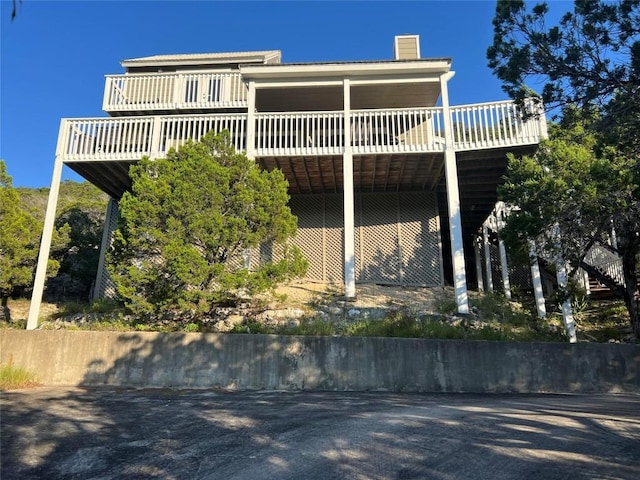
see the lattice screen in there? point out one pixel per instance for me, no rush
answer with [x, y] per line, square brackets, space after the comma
[420, 237]
[519, 274]
[378, 246]
[311, 232]
[396, 237]
[105, 287]
[397, 240]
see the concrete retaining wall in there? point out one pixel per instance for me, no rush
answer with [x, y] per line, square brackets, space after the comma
[193, 360]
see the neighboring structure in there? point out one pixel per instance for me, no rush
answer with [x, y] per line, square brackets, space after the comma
[389, 182]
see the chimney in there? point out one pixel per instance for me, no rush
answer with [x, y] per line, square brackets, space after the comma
[406, 47]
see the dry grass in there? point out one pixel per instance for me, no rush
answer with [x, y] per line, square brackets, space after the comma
[19, 311]
[13, 377]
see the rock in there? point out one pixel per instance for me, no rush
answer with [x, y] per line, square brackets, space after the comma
[332, 310]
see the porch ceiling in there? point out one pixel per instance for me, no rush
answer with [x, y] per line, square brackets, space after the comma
[329, 98]
[479, 173]
[110, 177]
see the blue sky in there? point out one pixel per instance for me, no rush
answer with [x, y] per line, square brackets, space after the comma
[54, 55]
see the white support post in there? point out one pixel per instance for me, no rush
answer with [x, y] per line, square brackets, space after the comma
[537, 281]
[504, 266]
[585, 281]
[477, 254]
[487, 257]
[104, 245]
[453, 202]
[349, 224]
[614, 238]
[155, 137]
[561, 277]
[108, 88]
[542, 120]
[251, 121]
[47, 233]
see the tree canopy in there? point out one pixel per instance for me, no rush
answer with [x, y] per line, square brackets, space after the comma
[586, 178]
[188, 222]
[20, 240]
[591, 60]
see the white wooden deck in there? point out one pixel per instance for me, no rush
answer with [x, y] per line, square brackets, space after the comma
[173, 91]
[385, 131]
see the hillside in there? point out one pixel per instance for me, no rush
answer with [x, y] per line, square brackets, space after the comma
[82, 206]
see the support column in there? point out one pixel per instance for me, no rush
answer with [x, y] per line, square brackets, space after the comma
[477, 254]
[561, 277]
[45, 242]
[537, 281]
[349, 224]
[453, 202]
[614, 237]
[585, 281]
[104, 245]
[156, 130]
[487, 257]
[251, 121]
[504, 266]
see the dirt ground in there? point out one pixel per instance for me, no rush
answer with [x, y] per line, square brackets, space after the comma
[19, 309]
[311, 296]
[299, 294]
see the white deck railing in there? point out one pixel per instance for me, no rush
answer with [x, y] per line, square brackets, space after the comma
[495, 124]
[304, 133]
[170, 91]
[397, 130]
[606, 262]
[131, 138]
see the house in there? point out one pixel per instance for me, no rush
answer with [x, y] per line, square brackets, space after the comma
[389, 181]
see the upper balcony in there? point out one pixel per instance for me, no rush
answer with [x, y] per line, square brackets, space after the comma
[164, 92]
[385, 131]
[101, 149]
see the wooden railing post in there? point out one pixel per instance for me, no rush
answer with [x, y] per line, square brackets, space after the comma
[156, 131]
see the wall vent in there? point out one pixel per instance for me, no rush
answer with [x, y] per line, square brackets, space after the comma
[406, 47]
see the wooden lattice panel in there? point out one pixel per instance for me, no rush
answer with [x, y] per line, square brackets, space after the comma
[420, 239]
[397, 239]
[310, 235]
[519, 274]
[106, 286]
[334, 239]
[378, 246]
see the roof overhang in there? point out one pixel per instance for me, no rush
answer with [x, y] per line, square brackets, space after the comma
[261, 57]
[413, 68]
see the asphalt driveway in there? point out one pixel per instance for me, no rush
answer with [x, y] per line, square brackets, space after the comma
[54, 433]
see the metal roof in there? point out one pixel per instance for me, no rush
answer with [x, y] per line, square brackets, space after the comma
[226, 57]
[357, 62]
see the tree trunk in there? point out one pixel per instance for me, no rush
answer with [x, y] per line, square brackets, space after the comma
[632, 292]
[5, 313]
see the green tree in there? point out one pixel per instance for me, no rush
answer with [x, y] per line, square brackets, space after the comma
[20, 241]
[591, 60]
[187, 223]
[587, 178]
[565, 183]
[82, 206]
